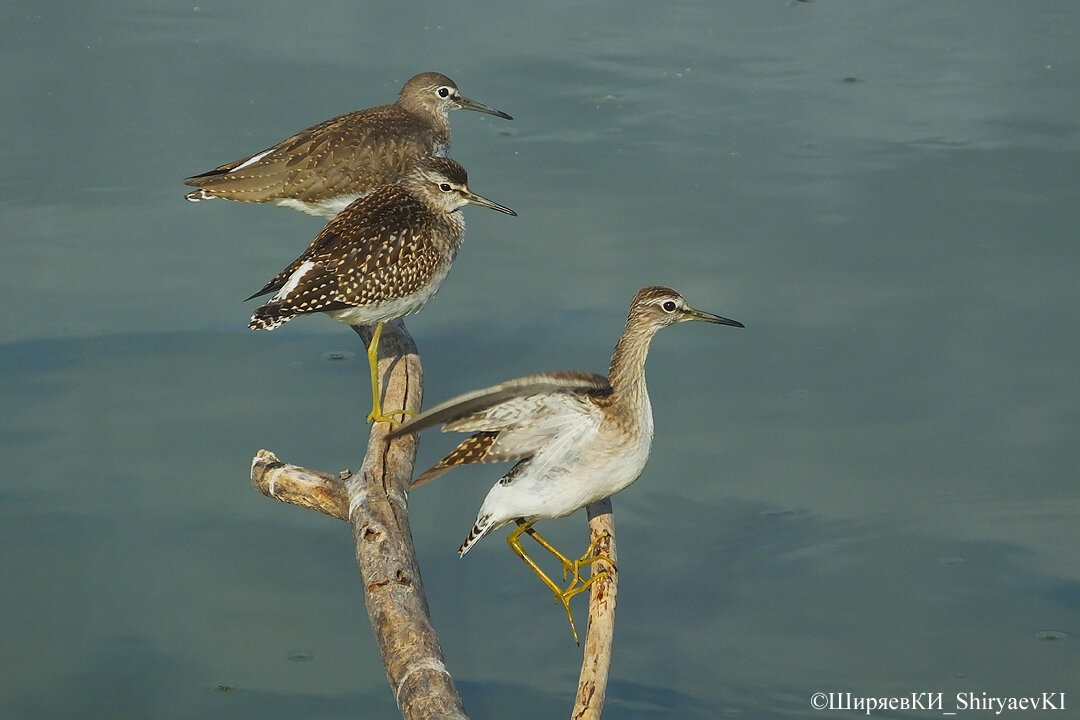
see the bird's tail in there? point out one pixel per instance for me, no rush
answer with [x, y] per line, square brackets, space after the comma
[481, 528]
[197, 195]
[269, 316]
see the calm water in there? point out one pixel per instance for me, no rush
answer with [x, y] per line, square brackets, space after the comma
[872, 489]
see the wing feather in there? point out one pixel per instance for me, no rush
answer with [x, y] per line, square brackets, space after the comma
[500, 406]
[538, 418]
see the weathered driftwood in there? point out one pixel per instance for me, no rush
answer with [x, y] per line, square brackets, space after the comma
[373, 501]
[592, 684]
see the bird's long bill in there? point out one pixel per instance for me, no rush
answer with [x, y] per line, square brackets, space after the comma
[694, 314]
[467, 104]
[484, 202]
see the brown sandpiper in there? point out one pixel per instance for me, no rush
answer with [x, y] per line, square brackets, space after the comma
[322, 169]
[383, 257]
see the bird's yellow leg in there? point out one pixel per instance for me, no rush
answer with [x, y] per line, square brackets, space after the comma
[514, 541]
[585, 584]
[571, 568]
[377, 415]
[566, 563]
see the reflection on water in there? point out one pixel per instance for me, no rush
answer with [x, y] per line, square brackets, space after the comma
[870, 490]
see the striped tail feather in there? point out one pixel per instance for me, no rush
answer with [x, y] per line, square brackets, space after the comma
[481, 528]
[471, 450]
[197, 195]
[269, 316]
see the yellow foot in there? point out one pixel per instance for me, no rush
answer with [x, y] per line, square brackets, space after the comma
[571, 568]
[588, 558]
[564, 596]
[377, 415]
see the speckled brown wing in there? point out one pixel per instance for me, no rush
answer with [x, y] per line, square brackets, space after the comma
[383, 247]
[347, 155]
[318, 292]
[322, 245]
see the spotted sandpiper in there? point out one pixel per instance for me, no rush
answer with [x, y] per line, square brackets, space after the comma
[324, 168]
[381, 258]
[576, 437]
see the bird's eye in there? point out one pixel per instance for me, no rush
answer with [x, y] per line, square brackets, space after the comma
[669, 306]
[443, 92]
[445, 187]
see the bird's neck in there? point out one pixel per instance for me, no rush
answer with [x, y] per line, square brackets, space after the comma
[441, 137]
[433, 118]
[456, 223]
[627, 373]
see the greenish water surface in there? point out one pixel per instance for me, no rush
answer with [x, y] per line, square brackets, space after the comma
[872, 489]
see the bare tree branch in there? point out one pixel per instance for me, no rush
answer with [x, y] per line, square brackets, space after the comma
[592, 684]
[293, 484]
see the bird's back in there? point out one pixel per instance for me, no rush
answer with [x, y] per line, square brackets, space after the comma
[343, 157]
[380, 258]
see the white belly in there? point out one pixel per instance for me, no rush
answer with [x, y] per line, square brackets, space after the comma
[558, 489]
[372, 314]
[328, 208]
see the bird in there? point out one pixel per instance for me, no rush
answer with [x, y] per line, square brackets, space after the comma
[322, 169]
[383, 257]
[574, 437]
